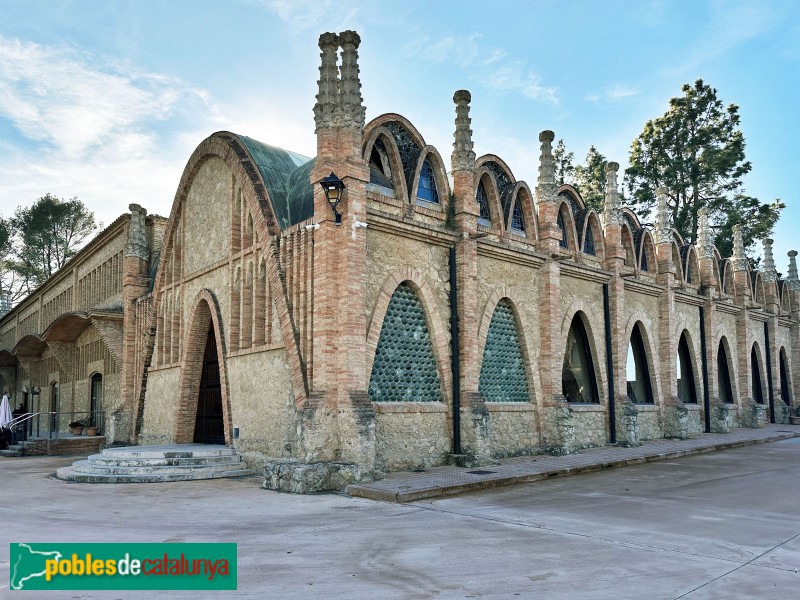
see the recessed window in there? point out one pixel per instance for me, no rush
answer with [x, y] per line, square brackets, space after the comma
[588, 241]
[484, 218]
[427, 184]
[786, 393]
[643, 263]
[563, 228]
[578, 382]
[517, 218]
[686, 383]
[637, 371]
[755, 376]
[724, 375]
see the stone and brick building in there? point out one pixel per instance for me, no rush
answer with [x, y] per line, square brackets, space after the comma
[455, 313]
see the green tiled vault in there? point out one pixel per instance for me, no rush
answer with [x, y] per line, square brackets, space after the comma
[503, 370]
[404, 368]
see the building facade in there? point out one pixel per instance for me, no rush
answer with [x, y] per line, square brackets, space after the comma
[452, 313]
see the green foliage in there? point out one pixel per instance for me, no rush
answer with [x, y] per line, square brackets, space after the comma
[564, 163]
[50, 231]
[12, 283]
[590, 179]
[696, 151]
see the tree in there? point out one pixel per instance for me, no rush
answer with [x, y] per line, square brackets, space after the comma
[563, 162]
[50, 231]
[590, 179]
[696, 151]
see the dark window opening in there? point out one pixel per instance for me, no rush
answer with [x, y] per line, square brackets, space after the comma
[786, 393]
[563, 228]
[379, 171]
[686, 383]
[427, 184]
[724, 376]
[578, 381]
[517, 218]
[643, 265]
[755, 372]
[484, 218]
[638, 372]
[588, 241]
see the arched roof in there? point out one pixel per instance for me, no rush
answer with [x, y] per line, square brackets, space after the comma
[286, 175]
[30, 345]
[66, 328]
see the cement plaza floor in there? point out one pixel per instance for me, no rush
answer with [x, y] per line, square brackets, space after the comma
[716, 525]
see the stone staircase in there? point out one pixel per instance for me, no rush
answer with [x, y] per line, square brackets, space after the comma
[153, 464]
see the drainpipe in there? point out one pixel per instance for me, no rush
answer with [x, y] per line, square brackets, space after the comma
[704, 361]
[769, 375]
[455, 358]
[612, 419]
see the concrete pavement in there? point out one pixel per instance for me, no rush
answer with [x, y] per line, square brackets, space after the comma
[715, 525]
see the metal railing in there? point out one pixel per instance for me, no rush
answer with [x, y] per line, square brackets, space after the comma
[54, 424]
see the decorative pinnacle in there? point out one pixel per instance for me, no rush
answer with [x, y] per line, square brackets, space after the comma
[663, 229]
[740, 262]
[705, 245]
[352, 104]
[770, 273]
[463, 157]
[136, 244]
[546, 185]
[792, 280]
[327, 109]
[611, 211]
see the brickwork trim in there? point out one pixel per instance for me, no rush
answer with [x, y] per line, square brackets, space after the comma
[205, 313]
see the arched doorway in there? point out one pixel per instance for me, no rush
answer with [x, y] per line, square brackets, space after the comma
[578, 381]
[96, 399]
[209, 427]
[785, 393]
[637, 372]
[755, 376]
[685, 371]
[724, 375]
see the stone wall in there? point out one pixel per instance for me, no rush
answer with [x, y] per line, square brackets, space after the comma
[411, 436]
[513, 429]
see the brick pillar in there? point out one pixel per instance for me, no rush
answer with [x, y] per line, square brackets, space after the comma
[624, 411]
[793, 366]
[474, 417]
[556, 420]
[772, 306]
[120, 420]
[674, 415]
[339, 422]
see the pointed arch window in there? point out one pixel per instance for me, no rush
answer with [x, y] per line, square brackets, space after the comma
[502, 376]
[685, 370]
[638, 373]
[786, 393]
[484, 218]
[517, 218]
[426, 190]
[755, 372]
[643, 263]
[405, 367]
[588, 241]
[563, 228]
[379, 171]
[724, 375]
[578, 381]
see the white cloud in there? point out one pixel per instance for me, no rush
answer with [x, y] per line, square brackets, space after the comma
[614, 93]
[517, 77]
[55, 96]
[323, 15]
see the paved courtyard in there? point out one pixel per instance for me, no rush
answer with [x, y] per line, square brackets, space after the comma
[715, 525]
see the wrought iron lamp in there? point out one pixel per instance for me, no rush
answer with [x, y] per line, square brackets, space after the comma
[334, 189]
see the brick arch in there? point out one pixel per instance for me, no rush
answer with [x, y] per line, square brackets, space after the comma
[650, 349]
[436, 327]
[521, 193]
[582, 310]
[253, 192]
[486, 158]
[648, 250]
[483, 174]
[398, 175]
[432, 155]
[569, 189]
[592, 222]
[565, 210]
[205, 313]
[761, 367]
[503, 293]
[385, 118]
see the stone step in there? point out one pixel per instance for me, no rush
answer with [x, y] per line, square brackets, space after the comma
[69, 474]
[102, 459]
[87, 466]
[11, 452]
[152, 464]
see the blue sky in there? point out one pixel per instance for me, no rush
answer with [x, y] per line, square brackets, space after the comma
[106, 100]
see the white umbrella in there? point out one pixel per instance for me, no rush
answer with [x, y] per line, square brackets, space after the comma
[5, 412]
